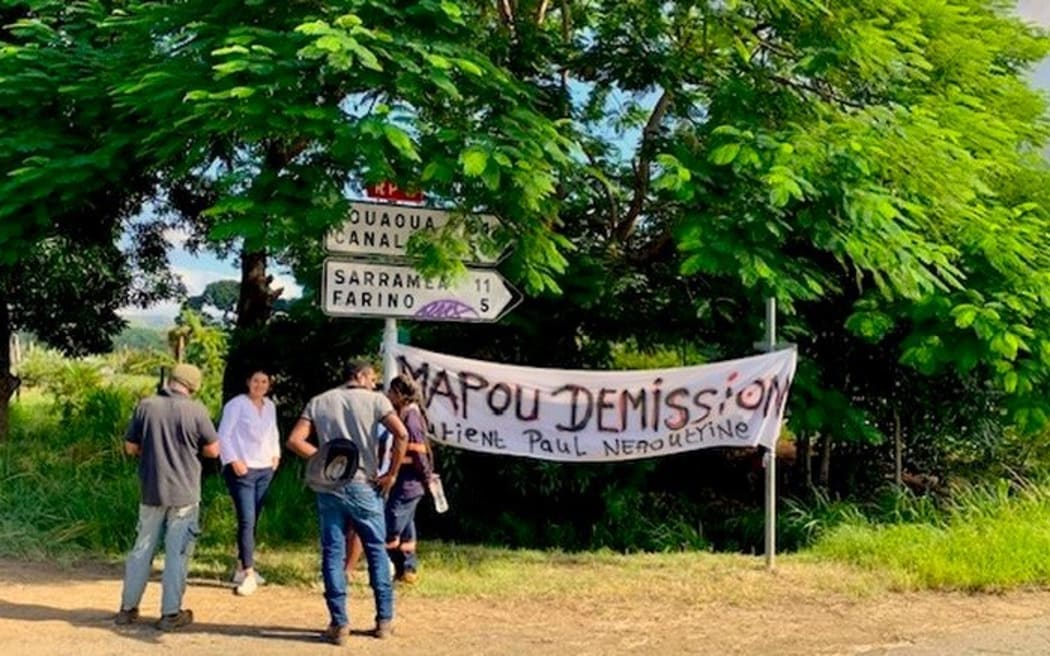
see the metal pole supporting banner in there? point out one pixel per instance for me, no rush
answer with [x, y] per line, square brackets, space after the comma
[771, 455]
[389, 342]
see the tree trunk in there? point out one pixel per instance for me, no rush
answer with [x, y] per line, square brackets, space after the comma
[898, 450]
[804, 447]
[255, 301]
[8, 382]
[825, 461]
[254, 306]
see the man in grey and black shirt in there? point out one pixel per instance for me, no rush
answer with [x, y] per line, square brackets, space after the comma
[168, 431]
[348, 415]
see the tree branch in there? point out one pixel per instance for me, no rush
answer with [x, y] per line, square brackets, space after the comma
[826, 94]
[541, 11]
[614, 210]
[566, 33]
[642, 169]
[506, 12]
[654, 249]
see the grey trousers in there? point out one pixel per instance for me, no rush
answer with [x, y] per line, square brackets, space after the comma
[178, 525]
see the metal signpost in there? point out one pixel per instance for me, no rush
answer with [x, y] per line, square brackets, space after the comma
[392, 288]
[770, 459]
[771, 462]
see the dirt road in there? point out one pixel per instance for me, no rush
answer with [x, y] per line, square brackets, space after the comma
[46, 609]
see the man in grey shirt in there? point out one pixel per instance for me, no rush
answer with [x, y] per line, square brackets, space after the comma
[351, 412]
[167, 432]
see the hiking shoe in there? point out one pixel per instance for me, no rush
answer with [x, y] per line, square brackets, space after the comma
[409, 577]
[247, 586]
[336, 634]
[125, 617]
[176, 620]
[384, 629]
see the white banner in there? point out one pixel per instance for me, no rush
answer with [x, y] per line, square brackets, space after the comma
[601, 416]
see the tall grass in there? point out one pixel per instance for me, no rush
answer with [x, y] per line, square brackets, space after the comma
[65, 485]
[987, 537]
[68, 490]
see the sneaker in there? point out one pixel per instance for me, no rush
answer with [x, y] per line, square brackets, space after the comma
[336, 634]
[125, 617]
[247, 586]
[384, 629]
[238, 577]
[176, 620]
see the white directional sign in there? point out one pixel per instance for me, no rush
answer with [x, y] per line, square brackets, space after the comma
[366, 289]
[384, 229]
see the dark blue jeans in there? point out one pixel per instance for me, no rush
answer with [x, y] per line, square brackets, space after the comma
[401, 531]
[248, 493]
[361, 504]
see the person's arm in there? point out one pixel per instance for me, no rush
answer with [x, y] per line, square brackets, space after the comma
[274, 438]
[133, 436]
[297, 443]
[209, 438]
[229, 453]
[399, 434]
[417, 443]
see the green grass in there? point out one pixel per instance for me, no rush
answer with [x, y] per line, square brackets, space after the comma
[481, 572]
[991, 538]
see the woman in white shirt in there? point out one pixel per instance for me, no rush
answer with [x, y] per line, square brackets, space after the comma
[250, 449]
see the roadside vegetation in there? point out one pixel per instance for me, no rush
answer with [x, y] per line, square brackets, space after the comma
[68, 493]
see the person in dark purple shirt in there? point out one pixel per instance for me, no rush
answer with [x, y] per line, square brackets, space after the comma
[417, 466]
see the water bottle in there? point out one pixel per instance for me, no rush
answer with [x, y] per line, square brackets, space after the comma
[437, 490]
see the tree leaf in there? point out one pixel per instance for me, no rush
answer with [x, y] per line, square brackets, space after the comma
[474, 161]
[400, 140]
[725, 154]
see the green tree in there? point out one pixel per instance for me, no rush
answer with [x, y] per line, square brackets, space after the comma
[222, 295]
[873, 165]
[72, 184]
[262, 116]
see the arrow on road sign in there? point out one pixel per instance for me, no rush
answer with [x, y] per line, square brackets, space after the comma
[384, 229]
[354, 288]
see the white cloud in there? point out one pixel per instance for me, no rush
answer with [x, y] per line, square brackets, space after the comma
[176, 236]
[1037, 11]
[165, 309]
[292, 289]
[197, 279]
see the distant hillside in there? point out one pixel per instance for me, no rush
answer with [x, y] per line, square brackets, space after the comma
[142, 338]
[154, 321]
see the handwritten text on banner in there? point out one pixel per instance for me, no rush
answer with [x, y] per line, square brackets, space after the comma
[596, 416]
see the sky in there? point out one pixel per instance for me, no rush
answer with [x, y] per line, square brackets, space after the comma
[1038, 11]
[198, 271]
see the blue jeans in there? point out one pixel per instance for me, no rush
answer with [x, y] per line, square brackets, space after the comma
[401, 532]
[179, 526]
[248, 493]
[361, 504]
